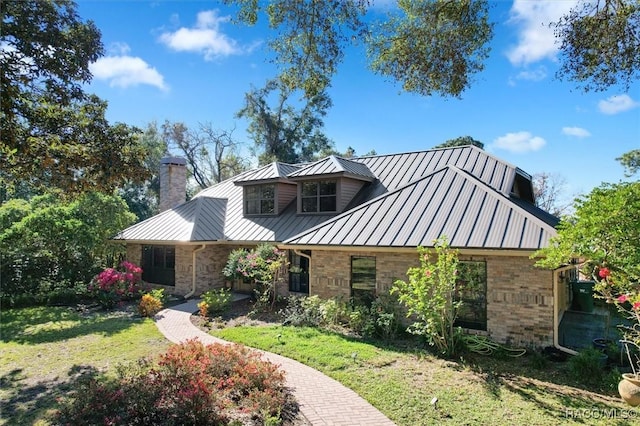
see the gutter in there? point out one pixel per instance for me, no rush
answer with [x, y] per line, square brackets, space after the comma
[194, 255]
[556, 319]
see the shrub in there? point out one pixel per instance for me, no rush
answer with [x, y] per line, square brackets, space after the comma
[111, 286]
[587, 367]
[189, 384]
[215, 302]
[429, 297]
[302, 311]
[149, 305]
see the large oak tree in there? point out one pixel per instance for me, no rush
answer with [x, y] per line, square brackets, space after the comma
[53, 133]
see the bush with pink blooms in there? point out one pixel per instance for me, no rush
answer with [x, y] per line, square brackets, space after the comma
[112, 286]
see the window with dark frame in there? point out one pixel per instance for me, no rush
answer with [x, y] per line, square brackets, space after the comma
[471, 290]
[319, 196]
[363, 279]
[159, 264]
[299, 272]
[260, 199]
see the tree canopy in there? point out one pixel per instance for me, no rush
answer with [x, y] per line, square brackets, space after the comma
[437, 46]
[47, 241]
[600, 44]
[211, 154]
[460, 141]
[630, 161]
[284, 132]
[53, 133]
[604, 231]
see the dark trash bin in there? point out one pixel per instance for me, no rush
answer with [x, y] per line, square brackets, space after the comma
[582, 295]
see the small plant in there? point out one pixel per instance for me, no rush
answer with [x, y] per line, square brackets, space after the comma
[215, 302]
[112, 286]
[587, 367]
[149, 305]
[302, 311]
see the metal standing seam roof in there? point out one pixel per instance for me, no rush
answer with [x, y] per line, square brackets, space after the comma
[216, 213]
[273, 171]
[335, 165]
[448, 202]
[201, 218]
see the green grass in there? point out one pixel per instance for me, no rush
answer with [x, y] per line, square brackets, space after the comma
[46, 350]
[401, 381]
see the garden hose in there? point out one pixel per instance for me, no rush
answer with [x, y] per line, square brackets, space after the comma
[483, 346]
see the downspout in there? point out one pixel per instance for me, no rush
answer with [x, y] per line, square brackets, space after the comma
[556, 317]
[299, 253]
[194, 256]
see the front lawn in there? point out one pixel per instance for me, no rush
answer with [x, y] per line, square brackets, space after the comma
[401, 380]
[46, 350]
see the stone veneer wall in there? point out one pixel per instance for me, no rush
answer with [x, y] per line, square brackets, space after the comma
[519, 296]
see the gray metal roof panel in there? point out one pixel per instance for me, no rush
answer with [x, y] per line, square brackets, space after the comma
[272, 171]
[334, 165]
[219, 214]
[382, 221]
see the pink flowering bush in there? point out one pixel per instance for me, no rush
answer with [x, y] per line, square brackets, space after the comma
[113, 286]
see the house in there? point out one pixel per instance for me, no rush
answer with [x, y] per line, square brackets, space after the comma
[351, 227]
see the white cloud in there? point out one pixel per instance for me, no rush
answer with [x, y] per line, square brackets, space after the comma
[125, 71]
[578, 132]
[616, 104]
[519, 142]
[205, 37]
[538, 74]
[536, 40]
[118, 49]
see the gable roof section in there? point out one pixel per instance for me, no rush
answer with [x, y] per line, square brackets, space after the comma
[272, 171]
[201, 219]
[333, 165]
[450, 202]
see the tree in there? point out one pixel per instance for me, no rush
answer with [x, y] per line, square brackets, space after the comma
[432, 47]
[284, 133]
[461, 141]
[211, 154]
[436, 46]
[429, 46]
[53, 134]
[604, 236]
[600, 44]
[630, 161]
[48, 242]
[547, 191]
[143, 198]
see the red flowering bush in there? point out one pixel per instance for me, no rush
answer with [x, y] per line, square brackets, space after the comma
[190, 384]
[112, 286]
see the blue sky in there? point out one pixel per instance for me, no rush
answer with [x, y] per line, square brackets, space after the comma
[184, 61]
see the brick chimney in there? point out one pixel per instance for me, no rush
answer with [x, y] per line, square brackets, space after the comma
[173, 182]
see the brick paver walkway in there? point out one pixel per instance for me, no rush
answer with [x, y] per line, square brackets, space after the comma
[322, 400]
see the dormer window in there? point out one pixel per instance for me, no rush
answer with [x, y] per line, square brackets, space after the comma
[259, 199]
[319, 196]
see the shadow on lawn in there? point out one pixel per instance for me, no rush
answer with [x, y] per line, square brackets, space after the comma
[52, 324]
[25, 404]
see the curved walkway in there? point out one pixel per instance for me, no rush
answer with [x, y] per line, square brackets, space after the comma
[322, 400]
